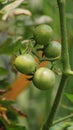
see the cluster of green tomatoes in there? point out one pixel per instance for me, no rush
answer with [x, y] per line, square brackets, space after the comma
[42, 77]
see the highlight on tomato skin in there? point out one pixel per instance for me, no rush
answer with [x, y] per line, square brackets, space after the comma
[42, 34]
[25, 64]
[44, 78]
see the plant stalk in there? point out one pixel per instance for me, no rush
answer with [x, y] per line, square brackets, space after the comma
[65, 63]
[64, 40]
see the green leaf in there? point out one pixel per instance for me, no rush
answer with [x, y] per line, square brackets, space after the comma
[69, 96]
[9, 47]
[16, 127]
[6, 103]
[5, 48]
[3, 83]
[11, 126]
[12, 115]
[3, 71]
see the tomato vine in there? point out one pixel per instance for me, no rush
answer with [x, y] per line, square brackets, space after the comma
[66, 65]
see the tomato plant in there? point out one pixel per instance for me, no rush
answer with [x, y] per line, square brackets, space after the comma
[29, 38]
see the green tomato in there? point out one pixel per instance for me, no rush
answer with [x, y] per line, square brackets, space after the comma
[44, 78]
[42, 34]
[53, 49]
[25, 64]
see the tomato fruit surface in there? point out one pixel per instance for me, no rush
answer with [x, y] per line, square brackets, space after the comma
[53, 49]
[25, 64]
[44, 78]
[42, 34]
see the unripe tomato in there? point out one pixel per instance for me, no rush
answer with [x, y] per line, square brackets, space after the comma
[42, 34]
[44, 78]
[53, 49]
[25, 64]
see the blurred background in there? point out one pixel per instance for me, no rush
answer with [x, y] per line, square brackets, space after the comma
[34, 102]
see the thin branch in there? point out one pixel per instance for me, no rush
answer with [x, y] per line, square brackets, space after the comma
[50, 59]
[62, 119]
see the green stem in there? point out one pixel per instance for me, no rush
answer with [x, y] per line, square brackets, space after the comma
[54, 108]
[50, 59]
[64, 41]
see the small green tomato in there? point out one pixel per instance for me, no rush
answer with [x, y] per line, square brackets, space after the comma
[44, 78]
[25, 64]
[53, 49]
[42, 34]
